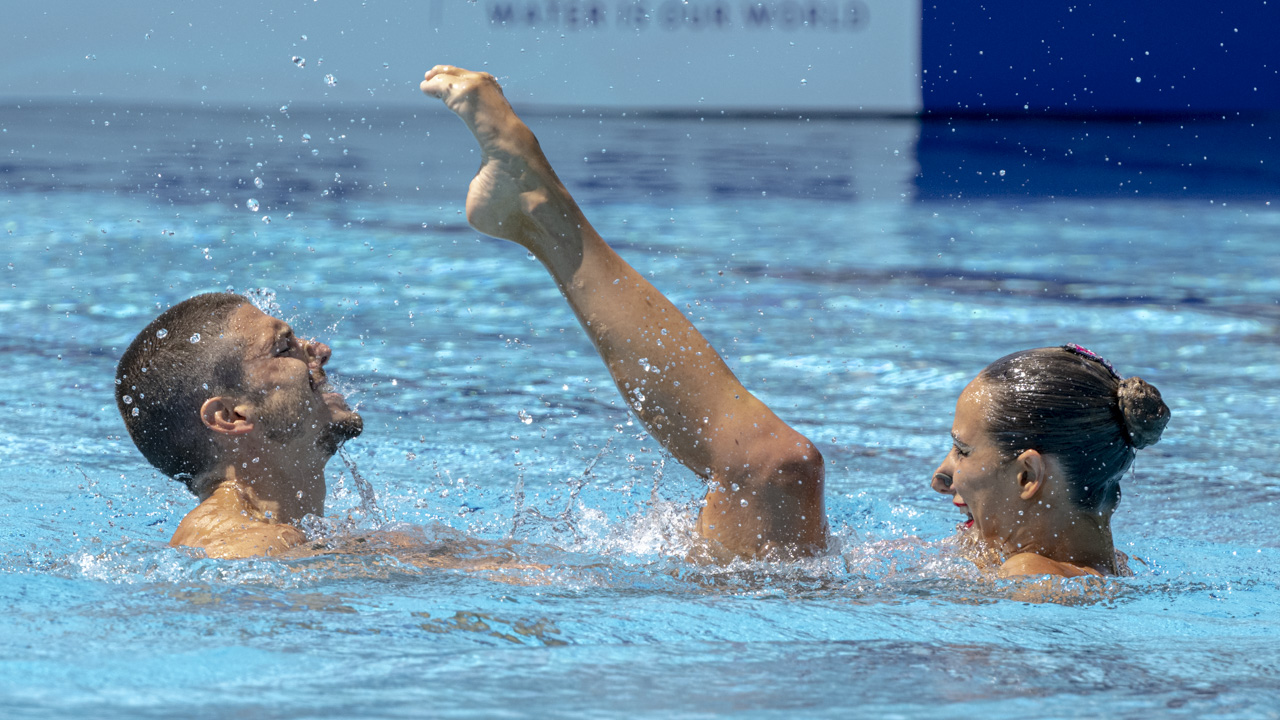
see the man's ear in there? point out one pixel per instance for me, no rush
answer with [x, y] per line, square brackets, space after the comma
[1033, 473]
[221, 415]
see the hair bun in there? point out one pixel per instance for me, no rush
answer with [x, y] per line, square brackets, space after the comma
[1145, 414]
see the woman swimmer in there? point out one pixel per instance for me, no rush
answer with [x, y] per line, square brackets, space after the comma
[1041, 439]
[1039, 482]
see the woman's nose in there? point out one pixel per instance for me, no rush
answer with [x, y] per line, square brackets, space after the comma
[942, 477]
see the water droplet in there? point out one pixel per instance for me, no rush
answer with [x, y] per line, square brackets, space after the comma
[266, 219]
[1001, 173]
[134, 412]
[162, 333]
[257, 182]
[330, 80]
[284, 108]
[1138, 79]
[299, 61]
[252, 205]
[127, 400]
[525, 417]
[306, 137]
[195, 338]
[803, 81]
[744, 502]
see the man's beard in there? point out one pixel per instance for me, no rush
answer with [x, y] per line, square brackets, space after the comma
[279, 418]
[339, 431]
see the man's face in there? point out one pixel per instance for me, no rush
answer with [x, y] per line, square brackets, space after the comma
[285, 381]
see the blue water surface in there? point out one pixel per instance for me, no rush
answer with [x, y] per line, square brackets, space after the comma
[855, 273]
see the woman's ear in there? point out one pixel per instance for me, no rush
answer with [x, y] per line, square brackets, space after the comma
[1033, 473]
[221, 415]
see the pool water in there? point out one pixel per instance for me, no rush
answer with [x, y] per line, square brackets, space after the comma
[856, 275]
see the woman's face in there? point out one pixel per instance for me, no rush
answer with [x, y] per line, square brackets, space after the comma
[981, 482]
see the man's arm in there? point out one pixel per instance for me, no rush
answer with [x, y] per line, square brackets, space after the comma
[766, 478]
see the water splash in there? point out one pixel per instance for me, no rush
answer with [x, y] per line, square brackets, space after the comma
[265, 300]
[368, 498]
[565, 521]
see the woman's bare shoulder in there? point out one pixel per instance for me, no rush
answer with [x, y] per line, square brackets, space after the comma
[1033, 564]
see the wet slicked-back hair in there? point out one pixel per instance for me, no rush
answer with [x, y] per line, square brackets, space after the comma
[1075, 407]
[181, 359]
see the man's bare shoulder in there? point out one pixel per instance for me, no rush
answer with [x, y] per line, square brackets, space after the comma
[224, 530]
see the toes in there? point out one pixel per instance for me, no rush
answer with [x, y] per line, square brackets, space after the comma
[447, 82]
[437, 84]
[440, 79]
[444, 69]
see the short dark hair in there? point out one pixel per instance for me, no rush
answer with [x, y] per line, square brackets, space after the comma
[1075, 407]
[178, 361]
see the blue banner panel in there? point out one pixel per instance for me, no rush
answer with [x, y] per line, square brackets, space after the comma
[1081, 58]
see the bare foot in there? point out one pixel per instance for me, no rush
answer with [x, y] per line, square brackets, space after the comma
[516, 195]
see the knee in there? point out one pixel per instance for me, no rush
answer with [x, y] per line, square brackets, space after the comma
[799, 471]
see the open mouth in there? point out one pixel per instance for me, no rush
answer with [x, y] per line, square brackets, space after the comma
[320, 385]
[319, 382]
[334, 398]
[968, 521]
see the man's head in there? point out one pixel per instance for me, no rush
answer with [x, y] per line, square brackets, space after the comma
[213, 369]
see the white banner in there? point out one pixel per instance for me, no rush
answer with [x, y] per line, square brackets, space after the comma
[685, 56]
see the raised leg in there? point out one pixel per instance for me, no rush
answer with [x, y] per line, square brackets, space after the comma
[766, 478]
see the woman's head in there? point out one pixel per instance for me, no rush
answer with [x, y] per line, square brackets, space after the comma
[1063, 408]
[1070, 403]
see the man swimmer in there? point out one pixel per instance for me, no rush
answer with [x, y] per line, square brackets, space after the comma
[228, 400]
